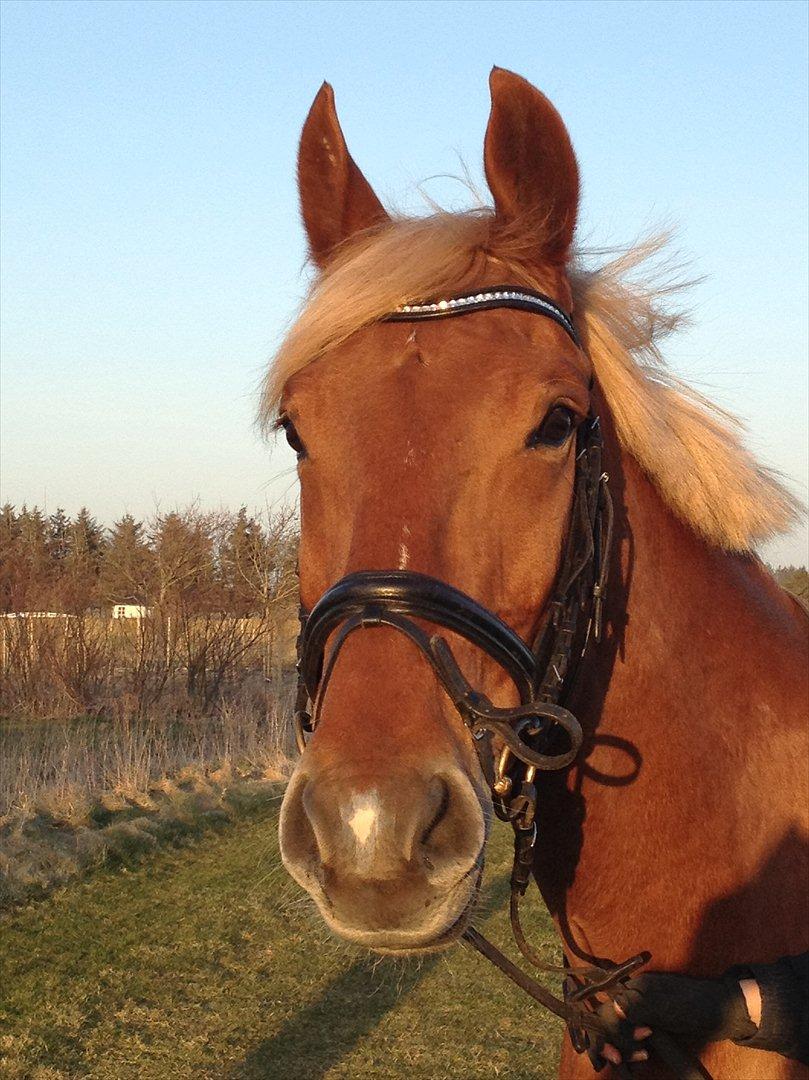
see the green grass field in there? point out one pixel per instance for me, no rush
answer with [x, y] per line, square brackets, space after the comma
[206, 962]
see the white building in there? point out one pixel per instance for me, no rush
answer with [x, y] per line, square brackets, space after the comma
[131, 611]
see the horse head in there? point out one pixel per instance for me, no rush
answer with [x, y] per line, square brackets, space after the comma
[443, 447]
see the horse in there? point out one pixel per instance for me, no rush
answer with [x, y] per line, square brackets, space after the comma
[440, 420]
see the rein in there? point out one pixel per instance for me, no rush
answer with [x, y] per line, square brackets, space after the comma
[540, 734]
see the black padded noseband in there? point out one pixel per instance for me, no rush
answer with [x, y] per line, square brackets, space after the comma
[373, 595]
[394, 598]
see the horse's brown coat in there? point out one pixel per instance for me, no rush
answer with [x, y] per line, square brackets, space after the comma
[683, 828]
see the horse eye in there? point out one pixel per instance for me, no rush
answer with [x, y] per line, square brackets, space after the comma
[292, 436]
[555, 429]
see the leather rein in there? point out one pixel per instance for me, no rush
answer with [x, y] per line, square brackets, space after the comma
[540, 734]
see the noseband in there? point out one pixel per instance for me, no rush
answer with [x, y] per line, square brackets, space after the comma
[541, 733]
[542, 673]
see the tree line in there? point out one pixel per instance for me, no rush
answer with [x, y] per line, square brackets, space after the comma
[234, 563]
[218, 588]
[795, 579]
[215, 561]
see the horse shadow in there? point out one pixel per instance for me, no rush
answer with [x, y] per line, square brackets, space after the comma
[758, 906]
[318, 1036]
[348, 1008]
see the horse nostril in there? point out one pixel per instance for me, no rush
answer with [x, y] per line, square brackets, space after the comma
[299, 845]
[440, 811]
[452, 842]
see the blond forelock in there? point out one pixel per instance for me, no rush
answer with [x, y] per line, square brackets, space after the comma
[692, 451]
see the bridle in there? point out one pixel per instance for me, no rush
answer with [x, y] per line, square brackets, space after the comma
[541, 733]
[544, 672]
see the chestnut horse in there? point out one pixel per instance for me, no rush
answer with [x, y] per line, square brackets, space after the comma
[447, 447]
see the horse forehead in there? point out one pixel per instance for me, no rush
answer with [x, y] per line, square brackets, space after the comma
[407, 377]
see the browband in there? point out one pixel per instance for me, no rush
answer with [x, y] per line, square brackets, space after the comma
[498, 296]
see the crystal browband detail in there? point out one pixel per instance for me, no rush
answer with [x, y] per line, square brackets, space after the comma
[500, 296]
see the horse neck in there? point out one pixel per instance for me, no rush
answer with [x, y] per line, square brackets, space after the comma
[693, 707]
[679, 604]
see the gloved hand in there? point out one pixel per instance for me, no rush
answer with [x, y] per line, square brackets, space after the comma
[622, 1041]
[703, 1009]
[706, 1009]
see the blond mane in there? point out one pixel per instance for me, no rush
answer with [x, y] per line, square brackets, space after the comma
[692, 451]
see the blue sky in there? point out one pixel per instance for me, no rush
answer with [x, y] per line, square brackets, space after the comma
[152, 253]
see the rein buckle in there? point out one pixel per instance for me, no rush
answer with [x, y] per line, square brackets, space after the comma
[525, 840]
[523, 807]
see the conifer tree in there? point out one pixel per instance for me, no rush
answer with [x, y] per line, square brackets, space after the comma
[58, 534]
[126, 570]
[8, 524]
[242, 560]
[86, 537]
[33, 577]
[82, 562]
[9, 537]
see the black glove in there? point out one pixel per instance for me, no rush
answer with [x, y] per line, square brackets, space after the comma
[702, 1009]
[707, 1009]
[617, 1032]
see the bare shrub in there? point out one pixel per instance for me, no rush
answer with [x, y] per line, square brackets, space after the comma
[216, 592]
[64, 769]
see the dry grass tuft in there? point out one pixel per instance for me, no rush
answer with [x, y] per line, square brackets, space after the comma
[77, 794]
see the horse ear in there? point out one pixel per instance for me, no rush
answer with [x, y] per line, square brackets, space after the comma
[336, 199]
[531, 169]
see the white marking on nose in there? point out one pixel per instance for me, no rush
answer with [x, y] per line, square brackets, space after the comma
[404, 550]
[364, 817]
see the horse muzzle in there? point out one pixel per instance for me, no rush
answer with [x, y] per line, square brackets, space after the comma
[393, 866]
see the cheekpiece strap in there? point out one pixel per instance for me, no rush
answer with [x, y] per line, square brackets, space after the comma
[498, 296]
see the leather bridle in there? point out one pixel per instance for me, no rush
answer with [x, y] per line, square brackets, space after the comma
[542, 674]
[541, 733]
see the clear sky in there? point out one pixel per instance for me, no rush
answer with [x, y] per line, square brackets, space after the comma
[152, 252]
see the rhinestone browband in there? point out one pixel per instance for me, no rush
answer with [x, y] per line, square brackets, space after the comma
[500, 296]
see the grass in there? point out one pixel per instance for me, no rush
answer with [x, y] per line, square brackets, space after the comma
[206, 962]
[39, 852]
[77, 794]
[60, 766]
